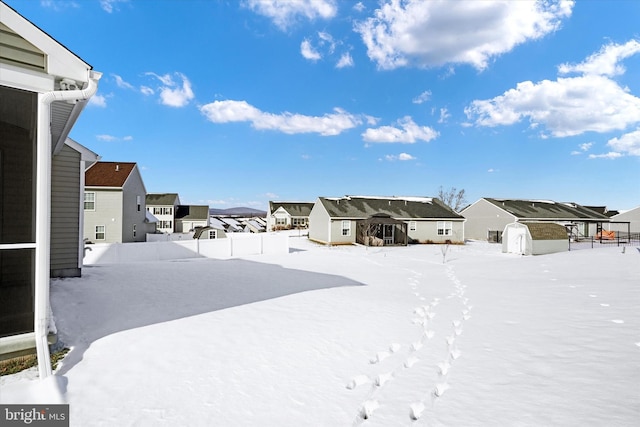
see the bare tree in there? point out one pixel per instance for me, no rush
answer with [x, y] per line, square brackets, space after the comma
[452, 197]
[366, 231]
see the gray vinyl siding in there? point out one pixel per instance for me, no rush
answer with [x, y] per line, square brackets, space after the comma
[483, 216]
[336, 232]
[18, 51]
[65, 213]
[133, 188]
[427, 231]
[108, 213]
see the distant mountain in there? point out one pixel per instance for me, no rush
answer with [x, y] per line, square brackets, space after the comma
[245, 212]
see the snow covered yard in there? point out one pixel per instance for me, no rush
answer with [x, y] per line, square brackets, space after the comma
[347, 336]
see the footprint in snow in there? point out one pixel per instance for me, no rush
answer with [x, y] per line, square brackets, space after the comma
[368, 408]
[440, 389]
[383, 378]
[411, 361]
[443, 368]
[379, 357]
[416, 410]
[358, 381]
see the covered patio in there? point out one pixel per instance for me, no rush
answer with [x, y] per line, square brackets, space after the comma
[382, 230]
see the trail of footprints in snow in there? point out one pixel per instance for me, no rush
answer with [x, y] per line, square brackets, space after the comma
[425, 313]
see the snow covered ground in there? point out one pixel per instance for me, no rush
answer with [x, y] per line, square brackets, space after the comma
[349, 336]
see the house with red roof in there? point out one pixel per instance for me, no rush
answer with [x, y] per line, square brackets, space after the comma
[114, 204]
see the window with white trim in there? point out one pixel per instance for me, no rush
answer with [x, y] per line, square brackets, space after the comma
[134, 230]
[281, 221]
[413, 225]
[165, 224]
[213, 234]
[445, 228]
[89, 201]
[138, 202]
[346, 228]
[100, 232]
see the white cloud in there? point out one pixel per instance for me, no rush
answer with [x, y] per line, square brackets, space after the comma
[359, 6]
[121, 83]
[444, 115]
[146, 90]
[586, 146]
[107, 138]
[171, 93]
[606, 62]
[112, 138]
[284, 13]
[110, 5]
[345, 61]
[566, 107]
[423, 97]
[241, 111]
[403, 157]
[609, 155]
[308, 52]
[98, 101]
[407, 132]
[627, 144]
[59, 5]
[434, 33]
[327, 39]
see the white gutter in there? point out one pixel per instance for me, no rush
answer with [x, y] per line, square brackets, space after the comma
[43, 210]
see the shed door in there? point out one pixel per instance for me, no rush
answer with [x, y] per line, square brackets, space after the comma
[516, 242]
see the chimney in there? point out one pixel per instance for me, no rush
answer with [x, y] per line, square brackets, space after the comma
[117, 168]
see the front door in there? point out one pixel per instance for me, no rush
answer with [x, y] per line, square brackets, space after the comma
[388, 234]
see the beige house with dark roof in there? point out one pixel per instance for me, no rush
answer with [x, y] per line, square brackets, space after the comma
[114, 204]
[284, 215]
[487, 217]
[393, 220]
[190, 217]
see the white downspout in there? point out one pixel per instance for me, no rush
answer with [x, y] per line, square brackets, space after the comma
[43, 210]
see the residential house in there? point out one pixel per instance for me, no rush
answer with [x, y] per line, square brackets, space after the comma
[189, 217]
[487, 217]
[44, 87]
[384, 220]
[114, 204]
[163, 206]
[285, 215]
[626, 221]
[67, 219]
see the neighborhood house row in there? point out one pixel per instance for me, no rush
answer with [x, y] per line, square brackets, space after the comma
[56, 195]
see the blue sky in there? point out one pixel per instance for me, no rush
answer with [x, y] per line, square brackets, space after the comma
[234, 103]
